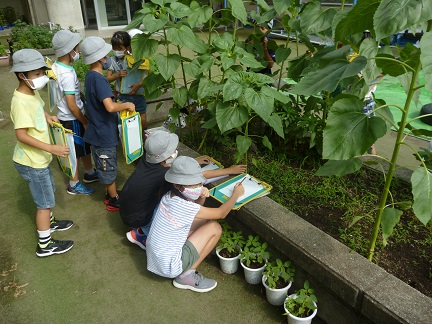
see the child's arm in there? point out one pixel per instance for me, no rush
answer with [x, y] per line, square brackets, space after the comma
[114, 76]
[134, 88]
[233, 169]
[71, 102]
[222, 211]
[112, 106]
[22, 136]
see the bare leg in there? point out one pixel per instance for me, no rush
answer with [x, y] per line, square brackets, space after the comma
[205, 239]
[112, 190]
[87, 162]
[43, 219]
[144, 121]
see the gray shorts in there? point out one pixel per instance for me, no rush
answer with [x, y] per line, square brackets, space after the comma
[189, 255]
[105, 159]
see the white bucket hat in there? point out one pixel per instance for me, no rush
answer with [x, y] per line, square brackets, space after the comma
[185, 171]
[65, 41]
[28, 59]
[94, 48]
[134, 32]
[160, 145]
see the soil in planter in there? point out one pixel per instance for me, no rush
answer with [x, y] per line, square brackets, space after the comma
[255, 265]
[281, 283]
[226, 254]
[331, 203]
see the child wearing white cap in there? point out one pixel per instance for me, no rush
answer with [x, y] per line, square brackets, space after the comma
[71, 112]
[102, 131]
[33, 151]
[183, 231]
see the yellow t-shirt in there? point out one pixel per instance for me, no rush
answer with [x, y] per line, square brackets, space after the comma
[27, 112]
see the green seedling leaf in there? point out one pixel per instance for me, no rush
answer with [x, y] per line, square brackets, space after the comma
[167, 65]
[422, 132]
[355, 220]
[358, 19]
[314, 19]
[390, 218]
[371, 162]
[275, 122]
[282, 54]
[266, 143]
[421, 181]
[233, 87]
[328, 77]
[393, 16]
[229, 117]
[339, 168]
[426, 58]
[404, 205]
[349, 132]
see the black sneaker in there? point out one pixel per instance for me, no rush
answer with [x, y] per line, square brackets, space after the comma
[107, 197]
[60, 225]
[54, 247]
[113, 204]
[89, 178]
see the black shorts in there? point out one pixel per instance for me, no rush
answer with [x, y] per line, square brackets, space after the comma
[81, 148]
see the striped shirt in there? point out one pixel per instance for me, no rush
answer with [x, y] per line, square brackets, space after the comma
[168, 233]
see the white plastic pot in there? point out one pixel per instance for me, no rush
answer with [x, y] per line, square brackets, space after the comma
[275, 296]
[299, 320]
[228, 265]
[253, 276]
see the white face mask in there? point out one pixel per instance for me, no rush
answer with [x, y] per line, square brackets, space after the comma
[172, 157]
[76, 57]
[192, 193]
[119, 54]
[38, 83]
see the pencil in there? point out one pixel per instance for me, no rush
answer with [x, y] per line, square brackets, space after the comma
[242, 180]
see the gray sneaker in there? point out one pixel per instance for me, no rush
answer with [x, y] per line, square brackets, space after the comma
[195, 282]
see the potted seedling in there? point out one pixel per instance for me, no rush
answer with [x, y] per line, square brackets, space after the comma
[229, 249]
[301, 307]
[253, 259]
[4, 56]
[277, 279]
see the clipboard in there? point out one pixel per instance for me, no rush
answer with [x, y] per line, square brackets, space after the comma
[213, 165]
[63, 136]
[254, 189]
[132, 142]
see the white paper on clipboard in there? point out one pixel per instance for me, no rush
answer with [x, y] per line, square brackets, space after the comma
[133, 132]
[250, 185]
[210, 166]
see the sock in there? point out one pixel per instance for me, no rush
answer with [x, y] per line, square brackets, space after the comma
[44, 237]
[187, 273]
[73, 183]
[90, 171]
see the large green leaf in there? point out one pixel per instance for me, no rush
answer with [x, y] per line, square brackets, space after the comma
[207, 87]
[200, 14]
[339, 168]
[314, 19]
[199, 46]
[227, 60]
[179, 10]
[260, 102]
[277, 95]
[266, 142]
[341, 14]
[193, 68]
[180, 95]
[296, 67]
[153, 24]
[358, 19]
[229, 117]
[282, 54]
[393, 16]
[328, 77]
[421, 181]
[349, 132]
[369, 49]
[167, 65]
[153, 81]
[281, 6]
[243, 144]
[233, 88]
[144, 46]
[275, 122]
[238, 10]
[389, 219]
[183, 36]
[426, 58]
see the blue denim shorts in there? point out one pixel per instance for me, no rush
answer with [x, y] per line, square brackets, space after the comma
[105, 159]
[41, 185]
[138, 100]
